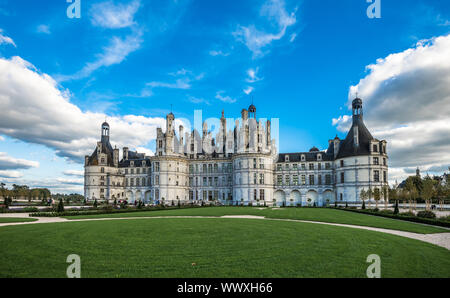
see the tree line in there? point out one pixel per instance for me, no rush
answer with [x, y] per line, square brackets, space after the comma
[430, 190]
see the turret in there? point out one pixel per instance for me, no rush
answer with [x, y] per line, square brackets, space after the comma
[105, 133]
[125, 153]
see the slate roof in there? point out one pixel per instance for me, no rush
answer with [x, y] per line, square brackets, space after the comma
[347, 146]
[105, 148]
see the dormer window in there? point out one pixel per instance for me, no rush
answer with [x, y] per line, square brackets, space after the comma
[319, 156]
[303, 158]
[375, 148]
[132, 163]
[286, 158]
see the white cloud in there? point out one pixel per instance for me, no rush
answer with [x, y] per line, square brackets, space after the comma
[10, 174]
[5, 39]
[253, 75]
[178, 84]
[43, 29]
[184, 82]
[74, 173]
[248, 90]
[226, 99]
[407, 101]
[2, 138]
[33, 109]
[218, 53]
[8, 162]
[147, 151]
[114, 53]
[274, 11]
[78, 181]
[198, 100]
[114, 16]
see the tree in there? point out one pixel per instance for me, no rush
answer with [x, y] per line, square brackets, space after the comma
[411, 192]
[60, 207]
[363, 197]
[95, 203]
[385, 192]
[369, 195]
[428, 191]
[396, 211]
[376, 196]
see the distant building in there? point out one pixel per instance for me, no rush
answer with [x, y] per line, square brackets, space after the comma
[241, 166]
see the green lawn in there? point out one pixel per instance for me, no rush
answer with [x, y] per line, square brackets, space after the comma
[15, 219]
[218, 247]
[313, 214]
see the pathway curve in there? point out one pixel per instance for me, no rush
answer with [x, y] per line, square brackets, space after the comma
[440, 239]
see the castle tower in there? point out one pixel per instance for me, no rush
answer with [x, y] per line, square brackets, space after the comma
[105, 133]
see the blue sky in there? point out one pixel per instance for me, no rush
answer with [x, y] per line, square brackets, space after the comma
[130, 60]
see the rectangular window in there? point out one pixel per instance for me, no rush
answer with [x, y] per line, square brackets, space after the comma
[255, 194]
[327, 166]
[205, 181]
[209, 181]
[287, 166]
[254, 163]
[342, 177]
[311, 179]
[319, 166]
[157, 167]
[376, 161]
[376, 176]
[303, 179]
[280, 179]
[261, 163]
[216, 181]
[261, 194]
[384, 161]
[261, 179]
[294, 166]
[254, 178]
[303, 166]
[342, 163]
[375, 148]
[328, 179]
[279, 167]
[319, 181]
[287, 180]
[311, 166]
[204, 168]
[384, 176]
[216, 168]
[295, 179]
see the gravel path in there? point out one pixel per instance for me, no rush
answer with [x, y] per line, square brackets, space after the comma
[440, 239]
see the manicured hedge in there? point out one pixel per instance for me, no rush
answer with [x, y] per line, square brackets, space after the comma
[105, 211]
[429, 221]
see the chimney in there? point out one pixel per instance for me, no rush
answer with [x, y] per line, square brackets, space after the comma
[116, 157]
[125, 153]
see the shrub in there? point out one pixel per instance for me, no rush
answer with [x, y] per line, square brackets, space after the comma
[346, 205]
[363, 205]
[95, 203]
[30, 209]
[407, 214]
[396, 211]
[375, 209]
[426, 214]
[60, 207]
